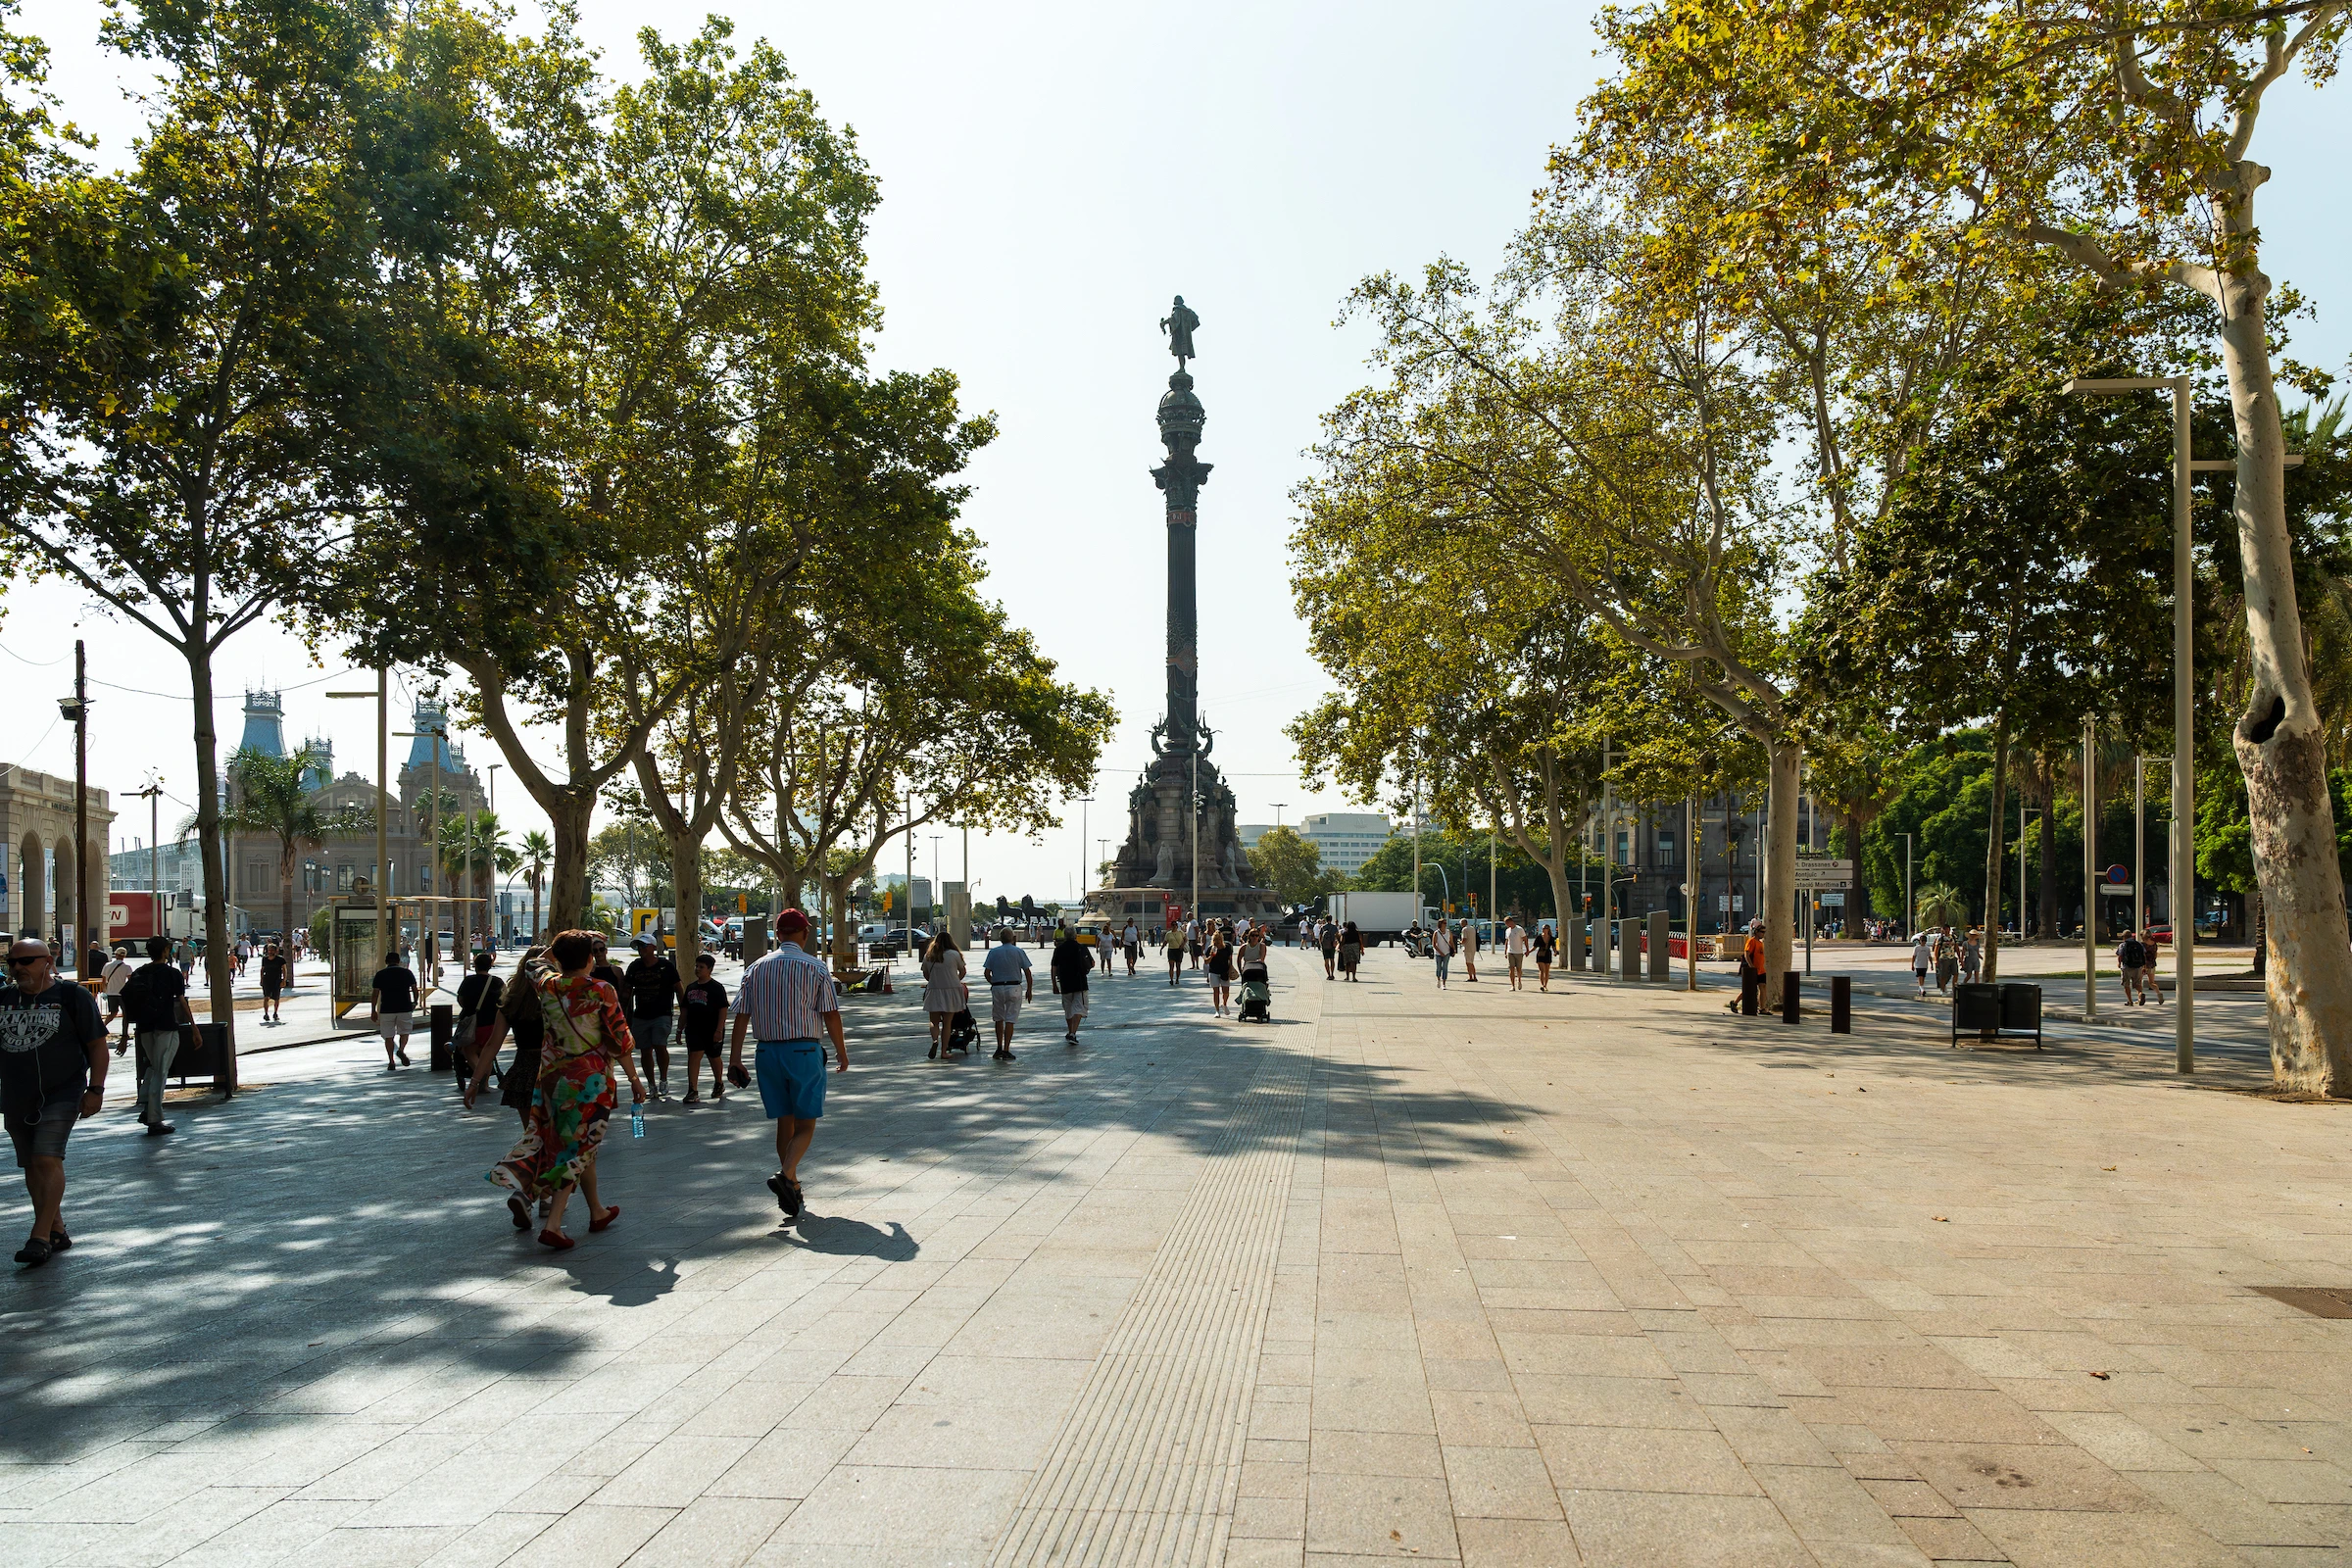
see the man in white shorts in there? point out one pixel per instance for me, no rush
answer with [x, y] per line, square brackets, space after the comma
[1514, 948]
[392, 1005]
[1012, 981]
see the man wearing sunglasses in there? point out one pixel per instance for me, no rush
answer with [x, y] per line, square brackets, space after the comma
[52, 1074]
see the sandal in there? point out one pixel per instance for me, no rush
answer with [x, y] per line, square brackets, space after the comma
[612, 1213]
[33, 1253]
[59, 1241]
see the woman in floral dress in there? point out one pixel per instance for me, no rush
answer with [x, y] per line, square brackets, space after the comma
[586, 1034]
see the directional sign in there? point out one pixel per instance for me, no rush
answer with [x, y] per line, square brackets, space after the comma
[1814, 874]
[2119, 873]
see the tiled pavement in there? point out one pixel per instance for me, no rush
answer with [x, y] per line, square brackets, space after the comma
[1604, 1276]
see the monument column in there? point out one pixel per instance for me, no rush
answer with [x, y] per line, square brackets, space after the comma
[1180, 479]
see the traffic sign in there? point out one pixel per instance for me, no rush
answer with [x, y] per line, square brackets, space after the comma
[1814, 873]
[2119, 873]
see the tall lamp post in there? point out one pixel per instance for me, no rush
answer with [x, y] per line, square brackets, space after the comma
[76, 710]
[2182, 875]
[1910, 915]
[2091, 869]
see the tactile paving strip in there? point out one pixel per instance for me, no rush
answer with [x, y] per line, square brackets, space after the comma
[1148, 1466]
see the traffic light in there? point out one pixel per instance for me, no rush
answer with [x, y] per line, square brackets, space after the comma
[886, 900]
[743, 905]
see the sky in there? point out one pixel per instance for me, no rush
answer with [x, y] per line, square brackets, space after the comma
[1052, 175]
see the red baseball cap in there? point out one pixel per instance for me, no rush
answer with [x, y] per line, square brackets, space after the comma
[792, 920]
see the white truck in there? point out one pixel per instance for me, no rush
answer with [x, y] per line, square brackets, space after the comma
[1379, 916]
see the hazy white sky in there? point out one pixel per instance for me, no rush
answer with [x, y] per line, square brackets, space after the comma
[1050, 175]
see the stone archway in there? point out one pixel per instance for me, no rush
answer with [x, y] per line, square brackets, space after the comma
[35, 915]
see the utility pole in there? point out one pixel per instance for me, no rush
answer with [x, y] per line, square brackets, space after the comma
[1910, 915]
[1194, 910]
[1691, 892]
[76, 708]
[2091, 869]
[910, 873]
[2139, 843]
[489, 923]
[153, 794]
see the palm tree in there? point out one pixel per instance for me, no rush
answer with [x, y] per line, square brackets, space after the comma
[473, 847]
[269, 798]
[1942, 904]
[537, 851]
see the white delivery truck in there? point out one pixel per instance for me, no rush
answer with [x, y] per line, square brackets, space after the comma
[1379, 916]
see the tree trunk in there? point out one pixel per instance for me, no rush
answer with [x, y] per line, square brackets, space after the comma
[2279, 741]
[1857, 897]
[2046, 923]
[1992, 850]
[538, 931]
[569, 814]
[219, 975]
[1779, 897]
[686, 886]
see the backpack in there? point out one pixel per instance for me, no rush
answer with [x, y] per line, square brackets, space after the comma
[2131, 955]
[147, 1009]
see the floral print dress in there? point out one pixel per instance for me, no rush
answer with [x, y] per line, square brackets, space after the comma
[576, 1096]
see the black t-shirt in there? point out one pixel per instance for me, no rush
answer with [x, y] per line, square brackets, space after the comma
[152, 995]
[43, 1047]
[706, 1010]
[478, 994]
[397, 983]
[612, 977]
[653, 982]
[273, 973]
[1072, 964]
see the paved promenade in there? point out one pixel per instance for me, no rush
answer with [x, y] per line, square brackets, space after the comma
[1476, 1276]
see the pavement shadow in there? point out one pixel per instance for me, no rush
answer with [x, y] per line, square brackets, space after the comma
[842, 1237]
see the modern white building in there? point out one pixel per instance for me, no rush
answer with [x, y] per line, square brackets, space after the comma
[1248, 833]
[1345, 840]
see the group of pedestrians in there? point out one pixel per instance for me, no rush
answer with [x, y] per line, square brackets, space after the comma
[1953, 954]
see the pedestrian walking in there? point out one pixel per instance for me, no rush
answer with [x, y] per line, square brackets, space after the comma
[1350, 948]
[1220, 972]
[155, 999]
[1441, 948]
[653, 992]
[586, 1035]
[273, 984]
[519, 1015]
[1972, 958]
[1469, 948]
[1103, 949]
[118, 972]
[1172, 941]
[1012, 981]
[945, 994]
[1921, 958]
[52, 1074]
[2150, 951]
[1540, 943]
[1515, 952]
[392, 1009]
[1072, 965]
[1132, 941]
[1193, 935]
[704, 1016]
[786, 1000]
[2129, 956]
[1326, 937]
[242, 952]
[1948, 960]
[478, 997]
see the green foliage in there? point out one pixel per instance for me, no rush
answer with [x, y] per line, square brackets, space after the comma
[1456, 864]
[1291, 866]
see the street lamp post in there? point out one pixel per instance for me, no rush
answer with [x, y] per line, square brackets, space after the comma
[2182, 875]
[2091, 869]
[1910, 915]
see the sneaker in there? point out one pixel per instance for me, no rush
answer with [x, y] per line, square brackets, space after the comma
[791, 1198]
[775, 1185]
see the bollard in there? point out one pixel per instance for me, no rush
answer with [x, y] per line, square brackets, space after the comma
[444, 1019]
[1574, 940]
[1789, 1003]
[1748, 992]
[1841, 1005]
[1661, 963]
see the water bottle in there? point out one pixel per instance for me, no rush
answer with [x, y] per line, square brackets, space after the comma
[637, 1119]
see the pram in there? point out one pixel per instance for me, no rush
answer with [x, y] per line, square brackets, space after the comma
[1256, 997]
[964, 1032]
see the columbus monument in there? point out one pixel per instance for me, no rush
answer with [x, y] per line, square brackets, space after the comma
[1181, 850]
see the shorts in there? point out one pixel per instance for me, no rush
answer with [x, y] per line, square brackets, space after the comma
[1518, 962]
[43, 1135]
[271, 993]
[709, 1047]
[1074, 1004]
[392, 1024]
[653, 1034]
[1004, 1004]
[792, 1079]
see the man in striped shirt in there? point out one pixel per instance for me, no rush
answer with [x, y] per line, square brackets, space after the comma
[784, 1001]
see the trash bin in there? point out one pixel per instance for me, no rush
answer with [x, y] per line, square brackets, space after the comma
[1976, 1008]
[2021, 1010]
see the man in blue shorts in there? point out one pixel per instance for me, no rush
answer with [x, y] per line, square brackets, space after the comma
[785, 999]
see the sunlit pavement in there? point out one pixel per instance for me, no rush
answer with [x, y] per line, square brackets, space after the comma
[1607, 1275]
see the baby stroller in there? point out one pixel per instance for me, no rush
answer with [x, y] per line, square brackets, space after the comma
[1256, 997]
[962, 1032]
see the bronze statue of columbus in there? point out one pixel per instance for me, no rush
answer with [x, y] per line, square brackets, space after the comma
[1179, 323]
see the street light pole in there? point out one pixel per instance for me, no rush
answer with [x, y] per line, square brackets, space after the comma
[2139, 843]
[2091, 869]
[383, 812]
[2183, 892]
[1910, 915]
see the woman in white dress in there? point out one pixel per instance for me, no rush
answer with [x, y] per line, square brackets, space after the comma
[943, 986]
